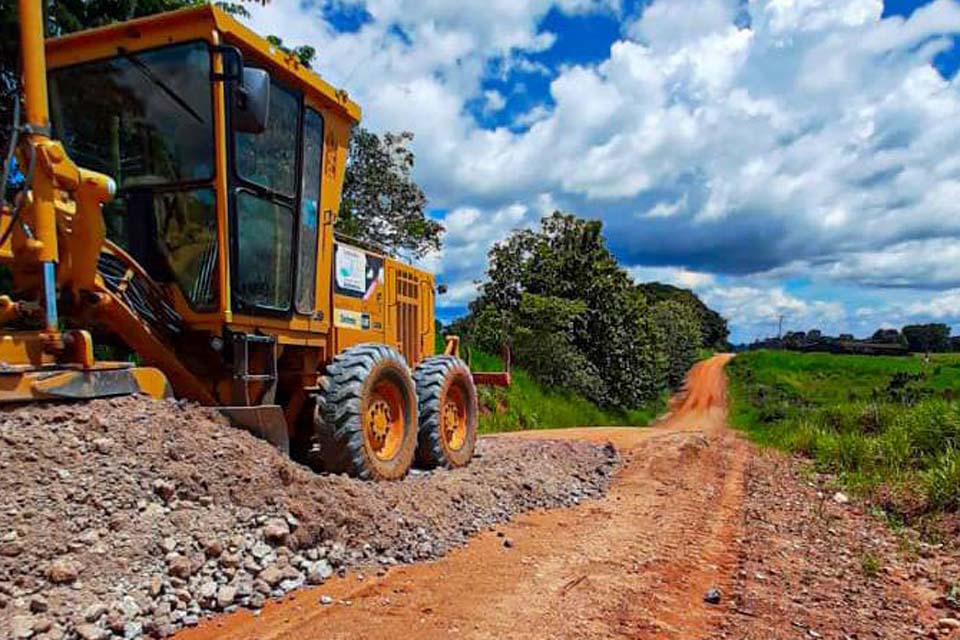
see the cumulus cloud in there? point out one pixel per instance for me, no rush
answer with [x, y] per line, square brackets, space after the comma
[676, 276]
[759, 310]
[808, 138]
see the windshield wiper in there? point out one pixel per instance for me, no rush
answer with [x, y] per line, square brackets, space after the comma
[148, 73]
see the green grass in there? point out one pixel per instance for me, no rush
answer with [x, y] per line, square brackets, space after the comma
[526, 405]
[888, 427]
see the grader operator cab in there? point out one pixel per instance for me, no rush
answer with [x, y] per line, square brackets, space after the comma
[199, 240]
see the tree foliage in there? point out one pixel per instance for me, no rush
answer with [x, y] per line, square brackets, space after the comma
[713, 326]
[559, 297]
[927, 338]
[381, 203]
[888, 336]
[681, 336]
[304, 53]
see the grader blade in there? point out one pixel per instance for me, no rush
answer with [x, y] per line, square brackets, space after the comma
[52, 383]
[264, 421]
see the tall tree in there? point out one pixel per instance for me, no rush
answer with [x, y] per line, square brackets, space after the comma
[713, 326]
[381, 203]
[927, 338]
[564, 277]
[680, 330]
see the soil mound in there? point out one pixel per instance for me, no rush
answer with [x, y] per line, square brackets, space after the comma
[132, 517]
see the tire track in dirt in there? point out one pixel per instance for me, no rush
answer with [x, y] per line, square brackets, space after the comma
[636, 563]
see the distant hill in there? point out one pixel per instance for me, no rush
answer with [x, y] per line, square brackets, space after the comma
[713, 326]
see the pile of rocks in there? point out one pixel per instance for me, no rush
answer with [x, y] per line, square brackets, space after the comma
[127, 518]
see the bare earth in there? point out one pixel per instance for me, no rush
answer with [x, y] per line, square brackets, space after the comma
[693, 507]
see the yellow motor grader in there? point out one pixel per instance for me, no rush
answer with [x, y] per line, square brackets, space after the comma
[197, 242]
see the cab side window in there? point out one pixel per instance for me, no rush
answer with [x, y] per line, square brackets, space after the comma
[309, 224]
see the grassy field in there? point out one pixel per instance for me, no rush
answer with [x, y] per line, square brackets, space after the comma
[527, 405]
[888, 427]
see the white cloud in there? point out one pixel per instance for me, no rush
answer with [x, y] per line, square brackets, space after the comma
[493, 101]
[665, 209]
[677, 276]
[943, 307]
[675, 23]
[758, 310]
[920, 264]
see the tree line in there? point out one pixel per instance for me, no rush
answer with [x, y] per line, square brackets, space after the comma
[932, 337]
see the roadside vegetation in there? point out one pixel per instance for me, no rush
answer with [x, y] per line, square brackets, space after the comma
[526, 404]
[889, 427]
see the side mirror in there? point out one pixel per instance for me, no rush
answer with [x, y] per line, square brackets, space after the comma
[441, 289]
[251, 101]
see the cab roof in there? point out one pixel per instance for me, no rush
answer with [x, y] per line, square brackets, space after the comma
[204, 22]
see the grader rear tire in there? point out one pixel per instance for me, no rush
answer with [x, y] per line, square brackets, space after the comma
[447, 397]
[366, 414]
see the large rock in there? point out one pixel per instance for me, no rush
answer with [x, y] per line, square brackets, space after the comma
[181, 567]
[90, 632]
[63, 571]
[319, 571]
[271, 575]
[21, 627]
[208, 590]
[165, 489]
[226, 596]
[94, 612]
[276, 531]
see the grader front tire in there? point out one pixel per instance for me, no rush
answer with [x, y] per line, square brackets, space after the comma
[366, 423]
[447, 400]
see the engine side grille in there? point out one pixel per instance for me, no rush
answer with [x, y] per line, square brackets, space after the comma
[408, 308]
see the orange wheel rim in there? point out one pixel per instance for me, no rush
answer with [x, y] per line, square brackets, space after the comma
[453, 419]
[383, 420]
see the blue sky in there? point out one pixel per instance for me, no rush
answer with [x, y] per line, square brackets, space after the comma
[782, 158]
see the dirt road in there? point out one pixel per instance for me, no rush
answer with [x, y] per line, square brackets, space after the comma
[635, 564]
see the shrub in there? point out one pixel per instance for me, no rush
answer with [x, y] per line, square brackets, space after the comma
[942, 481]
[680, 338]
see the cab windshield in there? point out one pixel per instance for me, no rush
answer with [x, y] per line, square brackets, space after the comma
[143, 118]
[146, 119]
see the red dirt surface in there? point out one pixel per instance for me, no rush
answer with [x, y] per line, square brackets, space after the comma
[694, 507]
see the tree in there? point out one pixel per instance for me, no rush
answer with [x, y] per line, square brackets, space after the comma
[681, 335]
[888, 336]
[713, 326]
[561, 280]
[304, 53]
[927, 338]
[542, 336]
[381, 203]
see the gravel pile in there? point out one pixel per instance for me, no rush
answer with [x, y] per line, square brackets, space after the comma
[127, 518]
